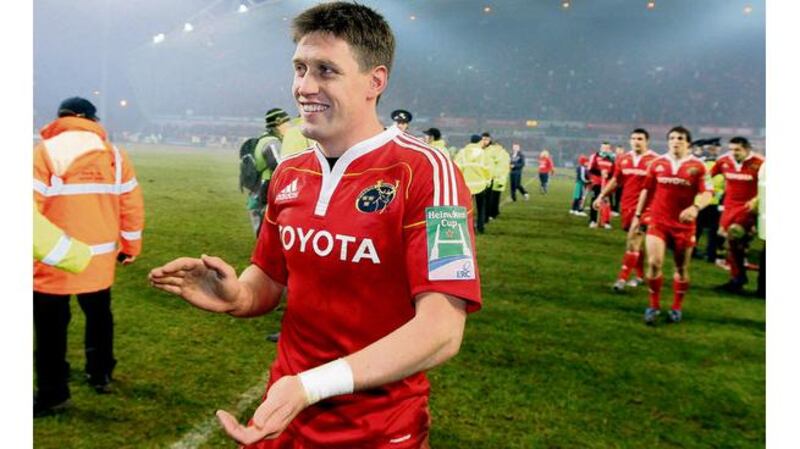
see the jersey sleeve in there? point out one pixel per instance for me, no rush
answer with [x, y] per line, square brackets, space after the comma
[593, 168]
[268, 252]
[715, 168]
[650, 182]
[617, 171]
[703, 180]
[438, 237]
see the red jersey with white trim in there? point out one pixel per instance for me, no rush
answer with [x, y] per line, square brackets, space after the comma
[354, 245]
[741, 179]
[672, 186]
[630, 171]
[597, 165]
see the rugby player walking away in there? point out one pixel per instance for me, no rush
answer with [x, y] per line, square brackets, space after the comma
[677, 188]
[630, 172]
[740, 168]
[601, 168]
[370, 233]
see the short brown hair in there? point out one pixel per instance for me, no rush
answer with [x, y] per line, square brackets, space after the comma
[681, 130]
[366, 31]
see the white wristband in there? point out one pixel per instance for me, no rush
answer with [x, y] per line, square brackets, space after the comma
[331, 379]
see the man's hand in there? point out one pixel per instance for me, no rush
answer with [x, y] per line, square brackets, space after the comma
[634, 229]
[598, 203]
[752, 205]
[689, 214]
[207, 283]
[285, 400]
[125, 259]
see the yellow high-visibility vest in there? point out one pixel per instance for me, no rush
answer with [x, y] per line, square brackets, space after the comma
[441, 145]
[294, 141]
[474, 165]
[499, 161]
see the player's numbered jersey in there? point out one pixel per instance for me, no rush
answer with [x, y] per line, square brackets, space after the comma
[673, 185]
[741, 178]
[631, 173]
[355, 245]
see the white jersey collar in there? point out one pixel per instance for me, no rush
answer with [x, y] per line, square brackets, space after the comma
[331, 177]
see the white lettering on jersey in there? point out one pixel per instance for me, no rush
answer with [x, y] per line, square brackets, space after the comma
[323, 244]
[366, 250]
[634, 171]
[344, 239]
[284, 231]
[327, 235]
[303, 238]
[672, 180]
[738, 176]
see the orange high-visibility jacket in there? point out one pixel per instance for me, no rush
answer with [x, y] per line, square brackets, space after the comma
[87, 187]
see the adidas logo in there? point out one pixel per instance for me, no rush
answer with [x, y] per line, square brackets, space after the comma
[289, 192]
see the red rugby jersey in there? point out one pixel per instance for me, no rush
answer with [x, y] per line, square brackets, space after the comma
[545, 165]
[630, 171]
[354, 245]
[741, 179]
[598, 165]
[672, 186]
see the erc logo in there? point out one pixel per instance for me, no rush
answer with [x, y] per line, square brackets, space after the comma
[375, 198]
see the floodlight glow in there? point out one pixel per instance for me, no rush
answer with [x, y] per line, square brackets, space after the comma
[159, 38]
[412, 17]
[487, 9]
[565, 4]
[123, 103]
[748, 9]
[651, 4]
[243, 8]
[187, 27]
[96, 92]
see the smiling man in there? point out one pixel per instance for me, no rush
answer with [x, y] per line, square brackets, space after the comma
[370, 233]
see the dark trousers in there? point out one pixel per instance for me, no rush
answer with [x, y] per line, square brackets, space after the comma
[480, 208]
[592, 210]
[544, 180]
[616, 199]
[493, 208]
[51, 316]
[516, 184]
[761, 290]
[708, 222]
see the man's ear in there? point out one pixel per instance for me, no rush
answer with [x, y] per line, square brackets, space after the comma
[379, 79]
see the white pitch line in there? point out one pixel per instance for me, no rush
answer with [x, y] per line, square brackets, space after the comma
[203, 431]
[508, 200]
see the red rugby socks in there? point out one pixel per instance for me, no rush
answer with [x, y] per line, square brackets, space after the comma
[628, 263]
[655, 291]
[640, 264]
[679, 288]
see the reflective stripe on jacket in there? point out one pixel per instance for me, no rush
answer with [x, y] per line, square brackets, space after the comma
[87, 187]
[53, 247]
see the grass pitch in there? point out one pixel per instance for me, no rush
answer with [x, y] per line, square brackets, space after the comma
[554, 360]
